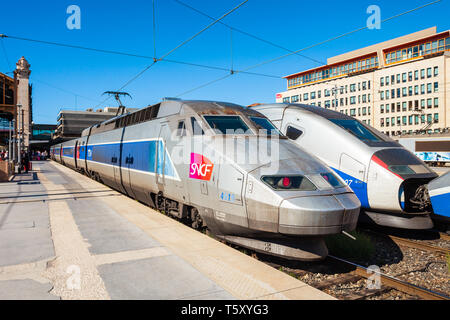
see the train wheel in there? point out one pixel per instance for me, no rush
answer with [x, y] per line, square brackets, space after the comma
[197, 221]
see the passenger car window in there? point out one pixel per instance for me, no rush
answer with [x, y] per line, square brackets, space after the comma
[227, 124]
[293, 133]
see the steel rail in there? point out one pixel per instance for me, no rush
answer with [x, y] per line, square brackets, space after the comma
[395, 283]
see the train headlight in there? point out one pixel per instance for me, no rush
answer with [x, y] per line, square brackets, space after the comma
[291, 183]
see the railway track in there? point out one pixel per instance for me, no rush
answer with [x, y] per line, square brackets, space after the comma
[420, 246]
[387, 283]
[395, 283]
[416, 244]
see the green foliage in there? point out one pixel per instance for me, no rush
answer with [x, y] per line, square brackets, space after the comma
[342, 246]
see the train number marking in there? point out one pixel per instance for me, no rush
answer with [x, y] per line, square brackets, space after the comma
[228, 197]
[349, 182]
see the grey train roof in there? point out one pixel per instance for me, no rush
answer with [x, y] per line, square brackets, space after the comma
[326, 113]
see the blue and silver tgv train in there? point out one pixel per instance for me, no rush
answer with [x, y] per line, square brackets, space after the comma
[389, 180]
[191, 159]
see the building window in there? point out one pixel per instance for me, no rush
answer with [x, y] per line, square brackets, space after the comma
[353, 100]
[436, 71]
[410, 76]
[416, 75]
[305, 97]
[382, 108]
[410, 91]
[326, 93]
[416, 90]
[294, 99]
[429, 89]
[286, 100]
[410, 120]
[422, 89]
[428, 72]
[422, 74]
[429, 101]
[436, 102]
[436, 87]
[381, 95]
[353, 112]
[319, 94]
[313, 95]
[404, 106]
[436, 117]
[398, 78]
[404, 92]
[422, 104]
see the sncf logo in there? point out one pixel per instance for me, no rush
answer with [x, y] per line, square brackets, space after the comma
[201, 167]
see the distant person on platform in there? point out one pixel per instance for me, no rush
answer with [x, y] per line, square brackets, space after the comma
[25, 161]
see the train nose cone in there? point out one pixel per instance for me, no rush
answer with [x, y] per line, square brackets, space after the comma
[320, 215]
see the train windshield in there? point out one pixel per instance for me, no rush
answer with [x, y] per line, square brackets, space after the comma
[357, 129]
[228, 124]
[265, 124]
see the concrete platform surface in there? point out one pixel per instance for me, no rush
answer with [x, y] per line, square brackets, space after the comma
[65, 236]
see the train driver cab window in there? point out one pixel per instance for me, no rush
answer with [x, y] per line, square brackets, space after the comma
[227, 124]
[357, 129]
[196, 128]
[265, 124]
[181, 130]
[293, 133]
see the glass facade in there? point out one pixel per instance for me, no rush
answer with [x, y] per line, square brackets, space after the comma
[336, 71]
[418, 50]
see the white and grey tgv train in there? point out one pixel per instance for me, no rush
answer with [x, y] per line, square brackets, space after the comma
[283, 206]
[390, 181]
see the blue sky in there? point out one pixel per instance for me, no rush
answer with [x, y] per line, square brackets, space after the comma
[59, 74]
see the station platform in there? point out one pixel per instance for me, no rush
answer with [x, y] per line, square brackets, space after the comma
[65, 236]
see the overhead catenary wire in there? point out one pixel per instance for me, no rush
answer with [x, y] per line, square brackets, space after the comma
[247, 33]
[177, 47]
[46, 83]
[134, 55]
[312, 46]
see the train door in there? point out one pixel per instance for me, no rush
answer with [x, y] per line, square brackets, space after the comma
[116, 161]
[76, 154]
[167, 178]
[353, 172]
[126, 166]
[161, 157]
[230, 189]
